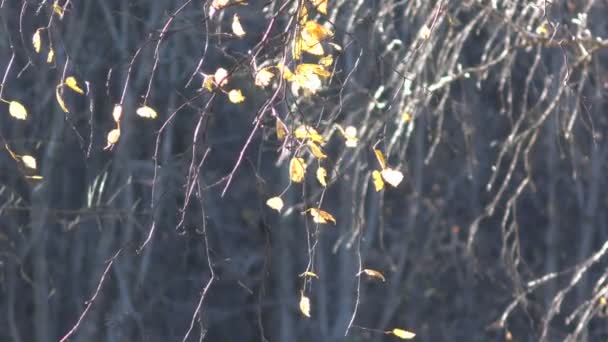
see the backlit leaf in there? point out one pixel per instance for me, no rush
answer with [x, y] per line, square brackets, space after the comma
[236, 96]
[58, 9]
[403, 334]
[117, 113]
[315, 150]
[374, 274]
[305, 305]
[275, 203]
[309, 68]
[305, 132]
[36, 40]
[73, 84]
[263, 78]
[29, 161]
[326, 61]
[146, 112]
[17, 110]
[322, 176]
[297, 169]
[321, 216]
[221, 77]
[237, 28]
[377, 179]
[392, 177]
[380, 158]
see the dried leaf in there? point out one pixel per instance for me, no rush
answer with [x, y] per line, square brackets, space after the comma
[29, 161]
[236, 96]
[146, 112]
[377, 179]
[380, 158]
[237, 28]
[60, 99]
[263, 78]
[392, 177]
[315, 150]
[305, 305]
[112, 138]
[17, 110]
[221, 77]
[321, 216]
[305, 132]
[73, 84]
[297, 169]
[36, 40]
[309, 274]
[403, 334]
[50, 56]
[117, 113]
[275, 203]
[374, 274]
[322, 176]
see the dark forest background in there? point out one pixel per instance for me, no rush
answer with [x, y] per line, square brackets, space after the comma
[498, 231]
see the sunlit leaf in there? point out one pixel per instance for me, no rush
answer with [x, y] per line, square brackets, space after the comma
[34, 177]
[373, 274]
[36, 40]
[73, 84]
[403, 334]
[321, 5]
[321, 216]
[58, 9]
[275, 203]
[311, 84]
[146, 112]
[312, 35]
[544, 29]
[305, 305]
[322, 176]
[377, 179]
[392, 177]
[315, 150]
[208, 82]
[380, 158]
[309, 68]
[117, 113]
[60, 99]
[237, 28]
[29, 161]
[326, 61]
[280, 129]
[112, 138]
[17, 110]
[406, 117]
[236, 96]
[425, 33]
[221, 77]
[297, 169]
[309, 274]
[305, 132]
[285, 72]
[50, 56]
[263, 78]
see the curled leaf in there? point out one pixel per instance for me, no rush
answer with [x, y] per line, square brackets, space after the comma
[237, 28]
[117, 113]
[305, 305]
[315, 150]
[309, 274]
[321, 216]
[297, 169]
[58, 91]
[17, 110]
[377, 179]
[380, 158]
[322, 176]
[146, 112]
[403, 334]
[275, 203]
[392, 177]
[236, 96]
[73, 84]
[373, 274]
[36, 40]
[29, 161]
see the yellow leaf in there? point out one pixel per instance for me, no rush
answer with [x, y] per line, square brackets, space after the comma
[314, 32]
[321, 216]
[305, 305]
[117, 113]
[280, 129]
[58, 9]
[60, 99]
[309, 274]
[326, 61]
[303, 16]
[297, 169]
[406, 117]
[321, 5]
[29, 161]
[603, 301]
[380, 158]
[17, 110]
[307, 132]
[309, 68]
[73, 84]
[237, 28]
[287, 74]
[146, 112]
[112, 138]
[275, 203]
[374, 274]
[221, 77]
[35, 177]
[392, 177]
[544, 29]
[236, 96]
[50, 56]
[311, 83]
[316, 150]
[321, 176]
[403, 334]
[378, 182]
[263, 78]
[36, 41]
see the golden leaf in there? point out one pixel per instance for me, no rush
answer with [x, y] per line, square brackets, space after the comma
[36, 41]
[117, 113]
[112, 138]
[314, 32]
[50, 56]
[315, 150]
[236, 96]
[321, 216]
[221, 77]
[263, 78]
[406, 117]
[29, 161]
[73, 84]
[307, 132]
[321, 5]
[305, 305]
[309, 274]
[146, 112]
[297, 169]
[392, 177]
[280, 129]
[58, 9]
[309, 68]
[287, 74]
[60, 99]
[17, 110]
[326, 61]
[321, 176]
[374, 274]
[403, 334]
[380, 158]
[378, 182]
[237, 28]
[275, 203]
